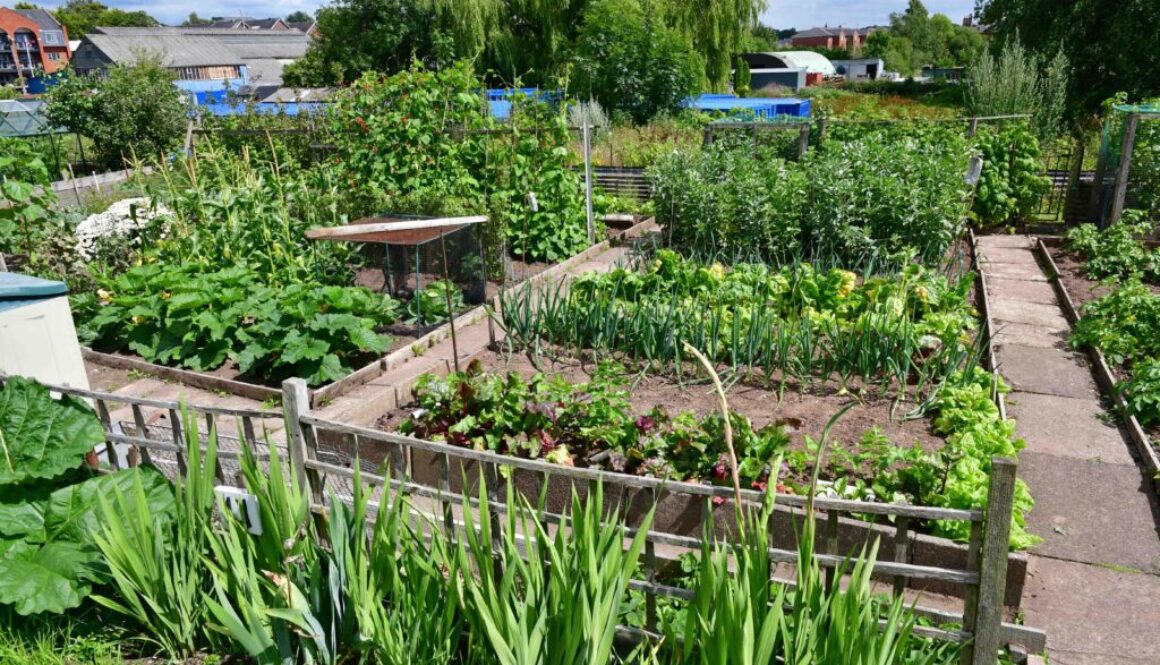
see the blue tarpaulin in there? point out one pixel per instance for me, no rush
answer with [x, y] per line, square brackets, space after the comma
[761, 107]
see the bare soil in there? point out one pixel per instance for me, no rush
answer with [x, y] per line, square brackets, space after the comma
[1083, 289]
[1074, 279]
[805, 413]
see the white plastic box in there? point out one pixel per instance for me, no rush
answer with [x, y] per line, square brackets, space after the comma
[37, 336]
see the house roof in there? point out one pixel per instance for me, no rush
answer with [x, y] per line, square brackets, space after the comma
[297, 95]
[827, 31]
[247, 44]
[263, 52]
[302, 26]
[176, 50]
[808, 60]
[41, 17]
[246, 22]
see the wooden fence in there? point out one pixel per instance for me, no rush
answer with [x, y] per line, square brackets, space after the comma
[432, 475]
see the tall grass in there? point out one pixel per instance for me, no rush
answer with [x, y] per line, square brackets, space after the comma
[380, 581]
[157, 562]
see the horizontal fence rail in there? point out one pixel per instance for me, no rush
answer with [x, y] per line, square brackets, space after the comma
[426, 472]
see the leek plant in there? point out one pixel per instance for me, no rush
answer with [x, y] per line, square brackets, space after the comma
[368, 582]
[740, 615]
[793, 324]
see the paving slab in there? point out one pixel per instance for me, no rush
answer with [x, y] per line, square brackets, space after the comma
[1092, 615]
[1067, 427]
[1000, 288]
[1046, 371]
[1092, 512]
[1025, 271]
[1049, 317]
[1007, 241]
[1022, 334]
[1005, 255]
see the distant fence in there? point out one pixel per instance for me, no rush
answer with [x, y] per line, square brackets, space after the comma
[322, 452]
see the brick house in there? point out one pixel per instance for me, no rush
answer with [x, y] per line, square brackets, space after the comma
[839, 37]
[32, 44]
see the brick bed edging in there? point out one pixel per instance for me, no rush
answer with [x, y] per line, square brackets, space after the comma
[1102, 370]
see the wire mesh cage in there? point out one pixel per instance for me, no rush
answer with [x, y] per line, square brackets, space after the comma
[436, 265]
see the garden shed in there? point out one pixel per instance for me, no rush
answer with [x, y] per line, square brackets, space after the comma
[813, 63]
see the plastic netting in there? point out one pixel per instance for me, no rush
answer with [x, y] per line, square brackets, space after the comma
[1143, 178]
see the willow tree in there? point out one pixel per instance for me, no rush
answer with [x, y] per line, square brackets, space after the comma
[718, 29]
[469, 23]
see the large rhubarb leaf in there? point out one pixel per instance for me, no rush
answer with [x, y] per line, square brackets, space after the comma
[73, 512]
[41, 437]
[50, 578]
[51, 549]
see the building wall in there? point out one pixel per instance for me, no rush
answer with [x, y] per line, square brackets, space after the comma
[772, 79]
[44, 58]
[225, 78]
[826, 42]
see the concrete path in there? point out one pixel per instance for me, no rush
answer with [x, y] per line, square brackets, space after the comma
[1094, 582]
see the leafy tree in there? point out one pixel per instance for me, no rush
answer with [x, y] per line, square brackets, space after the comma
[194, 20]
[1106, 39]
[360, 36]
[717, 29]
[764, 38]
[299, 17]
[81, 16]
[742, 79]
[531, 40]
[134, 109]
[915, 38]
[630, 62]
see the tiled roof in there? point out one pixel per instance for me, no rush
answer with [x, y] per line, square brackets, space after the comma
[41, 17]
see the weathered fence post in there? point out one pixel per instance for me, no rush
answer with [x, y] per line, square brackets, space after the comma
[822, 122]
[972, 127]
[588, 183]
[803, 141]
[300, 441]
[708, 135]
[1125, 166]
[986, 617]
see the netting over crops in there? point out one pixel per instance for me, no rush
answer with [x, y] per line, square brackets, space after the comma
[1143, 166]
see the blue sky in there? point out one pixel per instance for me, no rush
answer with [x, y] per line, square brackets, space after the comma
[781, 13]
[803, 14]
